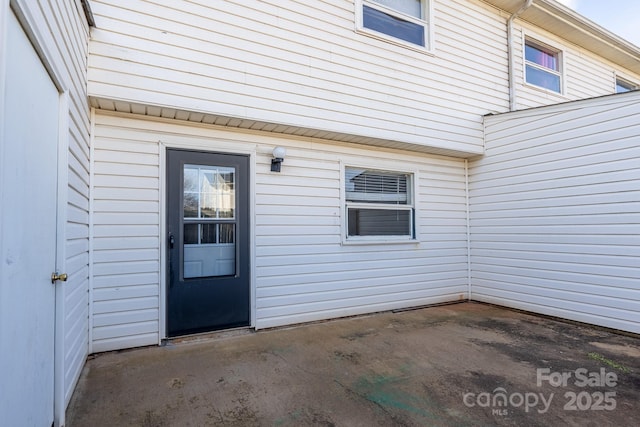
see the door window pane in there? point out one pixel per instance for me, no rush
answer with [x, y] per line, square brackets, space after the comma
[227, 233]
[191, 179]
[209, 192]
[208, 233]
[208, 206]
[227, 201]
[190, 199]
[191, 234]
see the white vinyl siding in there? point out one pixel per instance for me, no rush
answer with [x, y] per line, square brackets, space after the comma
[583, 74]
[303, 272]
[555, 215]
[297, 68]
[323, 279]
[126, 265]
[301, 64]
[65, 35]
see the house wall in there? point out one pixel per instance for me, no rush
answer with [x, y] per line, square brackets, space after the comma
[585, 75]
[554, 211]
[303, 65]
[302, 271]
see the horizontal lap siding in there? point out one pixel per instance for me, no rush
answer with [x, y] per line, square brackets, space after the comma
[555, 212]
[72, 36]
[585, 74]
[302, 64]
[302, 270]
[126, 191]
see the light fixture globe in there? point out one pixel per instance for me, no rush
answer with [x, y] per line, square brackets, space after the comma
[278, 158]
[279, 153]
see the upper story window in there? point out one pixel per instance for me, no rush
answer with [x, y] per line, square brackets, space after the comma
[379, 205]
[542, 66]
[405, 21]
[624, 86]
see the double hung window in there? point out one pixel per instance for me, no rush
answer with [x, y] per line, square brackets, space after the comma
[542, 66]
[400, 20]
[379, 204]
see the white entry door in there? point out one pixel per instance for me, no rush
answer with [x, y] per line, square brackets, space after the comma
[28, 184]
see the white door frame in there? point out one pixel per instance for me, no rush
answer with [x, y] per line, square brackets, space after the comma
[220, 146]
[33, 26]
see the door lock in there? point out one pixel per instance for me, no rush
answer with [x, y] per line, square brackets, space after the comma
[62, 277]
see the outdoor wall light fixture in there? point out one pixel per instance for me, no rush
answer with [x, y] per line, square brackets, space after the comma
[278, 158]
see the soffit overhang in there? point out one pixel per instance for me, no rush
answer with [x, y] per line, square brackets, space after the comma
[110, 106]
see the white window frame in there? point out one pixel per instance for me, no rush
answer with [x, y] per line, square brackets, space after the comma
[621, 81]
[410, 206]
[548, 48]
[425, 22]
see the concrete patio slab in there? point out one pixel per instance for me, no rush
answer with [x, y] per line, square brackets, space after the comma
[467, 364]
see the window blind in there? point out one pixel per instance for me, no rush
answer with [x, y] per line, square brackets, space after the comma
[373, 186]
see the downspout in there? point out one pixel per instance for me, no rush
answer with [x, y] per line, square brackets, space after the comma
[512, 83]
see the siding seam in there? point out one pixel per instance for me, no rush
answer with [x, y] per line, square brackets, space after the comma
[468, 219]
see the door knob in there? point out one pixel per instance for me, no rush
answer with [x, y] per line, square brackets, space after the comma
[62, 277]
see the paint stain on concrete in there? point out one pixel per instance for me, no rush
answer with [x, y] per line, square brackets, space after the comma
[387, 393]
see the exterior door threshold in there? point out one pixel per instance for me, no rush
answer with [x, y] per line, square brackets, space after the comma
[208, 336]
